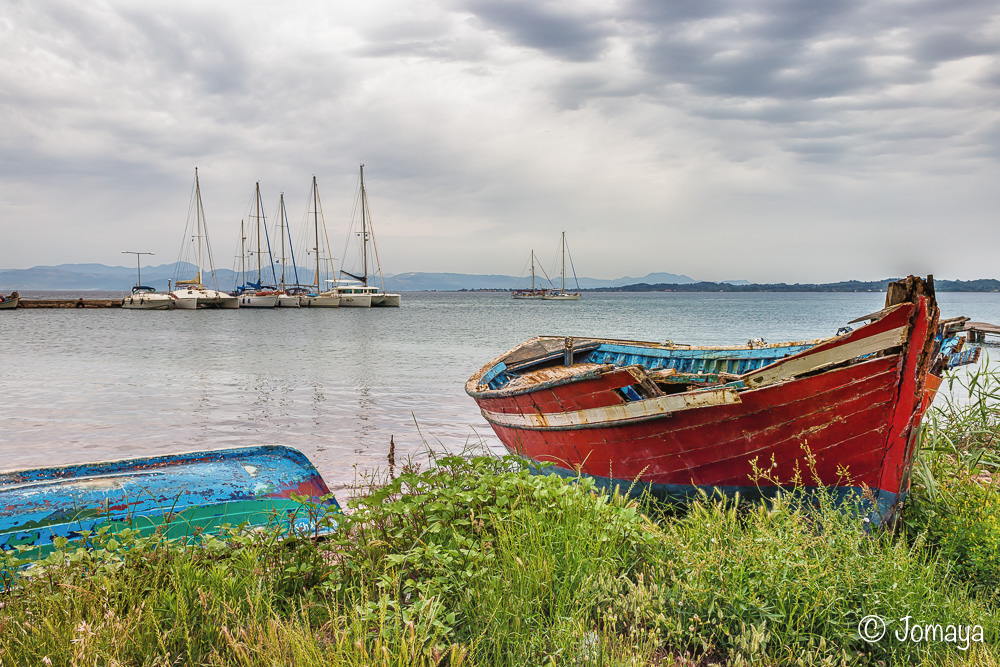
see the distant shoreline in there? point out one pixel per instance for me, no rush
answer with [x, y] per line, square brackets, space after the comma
[983, 285]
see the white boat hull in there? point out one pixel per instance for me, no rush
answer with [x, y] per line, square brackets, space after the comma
[148, 302]
[386, 300]
[288, 301]
[258, 300]
[321, 301]
[192, 299]
[355, 300]
[563, 296]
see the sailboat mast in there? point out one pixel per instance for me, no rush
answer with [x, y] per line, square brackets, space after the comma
[260, 277]
[282, 228]
[532, 270]
[243, 254]
[563, 288]
[198, 213]
[364, 231]
[316, 228]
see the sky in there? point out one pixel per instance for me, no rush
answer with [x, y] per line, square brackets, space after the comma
[764, 140]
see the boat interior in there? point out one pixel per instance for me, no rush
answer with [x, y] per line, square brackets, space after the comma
[667, 368]
[672, 368]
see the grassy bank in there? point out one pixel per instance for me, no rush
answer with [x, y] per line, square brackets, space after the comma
[476, 562]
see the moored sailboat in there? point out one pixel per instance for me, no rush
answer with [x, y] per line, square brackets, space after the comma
[364, 294]
[320, 298]
[561, 294]
[192, 294]
[532, 292]
[255, 294]
[286, 299]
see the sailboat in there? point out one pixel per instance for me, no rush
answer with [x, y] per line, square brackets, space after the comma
[532, 292]
[285, 298]
[329, 298]
[360, 293]
[562, 294]
[192, 294]
[256, 294]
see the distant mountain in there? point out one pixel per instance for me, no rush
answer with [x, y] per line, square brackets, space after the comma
[651, 278]
[105, 278]
[419, 282]
[111, 278]
[101, 277]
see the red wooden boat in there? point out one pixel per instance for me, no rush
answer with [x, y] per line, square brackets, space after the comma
[841, 412]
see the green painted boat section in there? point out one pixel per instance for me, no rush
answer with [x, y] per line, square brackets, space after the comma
[192, 522]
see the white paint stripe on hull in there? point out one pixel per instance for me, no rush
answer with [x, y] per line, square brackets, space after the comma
[611, 414]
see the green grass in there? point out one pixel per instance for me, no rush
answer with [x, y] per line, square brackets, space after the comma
[476, 562]
[956, 492]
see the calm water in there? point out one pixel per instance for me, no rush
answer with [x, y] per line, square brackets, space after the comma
[93, 384]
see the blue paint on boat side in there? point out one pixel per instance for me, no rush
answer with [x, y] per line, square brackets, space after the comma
[493, 373]
[875, 511]
[182, 494]
[735, 361]
[969, 356]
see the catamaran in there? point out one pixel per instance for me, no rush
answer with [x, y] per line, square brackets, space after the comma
[192, 294]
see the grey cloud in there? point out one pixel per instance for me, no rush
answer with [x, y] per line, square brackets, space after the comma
[945, 44]
[186, 45]
[577, 38]
[764, 52]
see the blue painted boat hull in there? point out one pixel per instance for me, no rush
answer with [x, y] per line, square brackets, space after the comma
[179, 495]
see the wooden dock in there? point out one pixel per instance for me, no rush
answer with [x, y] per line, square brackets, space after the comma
[70, 303]
[978, 331]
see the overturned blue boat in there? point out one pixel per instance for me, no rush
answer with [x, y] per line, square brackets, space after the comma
[179, 495]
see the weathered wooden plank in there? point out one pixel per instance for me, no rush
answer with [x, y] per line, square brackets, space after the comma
[831, 357]
[610, 414]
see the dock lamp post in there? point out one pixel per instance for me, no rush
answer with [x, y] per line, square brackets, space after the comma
[138, 269]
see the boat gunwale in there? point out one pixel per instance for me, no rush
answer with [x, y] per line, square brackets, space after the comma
[473, 383]
[472, 386]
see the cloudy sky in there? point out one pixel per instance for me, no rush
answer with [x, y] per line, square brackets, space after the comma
[767, 140]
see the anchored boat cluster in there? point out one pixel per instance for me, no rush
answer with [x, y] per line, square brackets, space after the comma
[284, 291]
